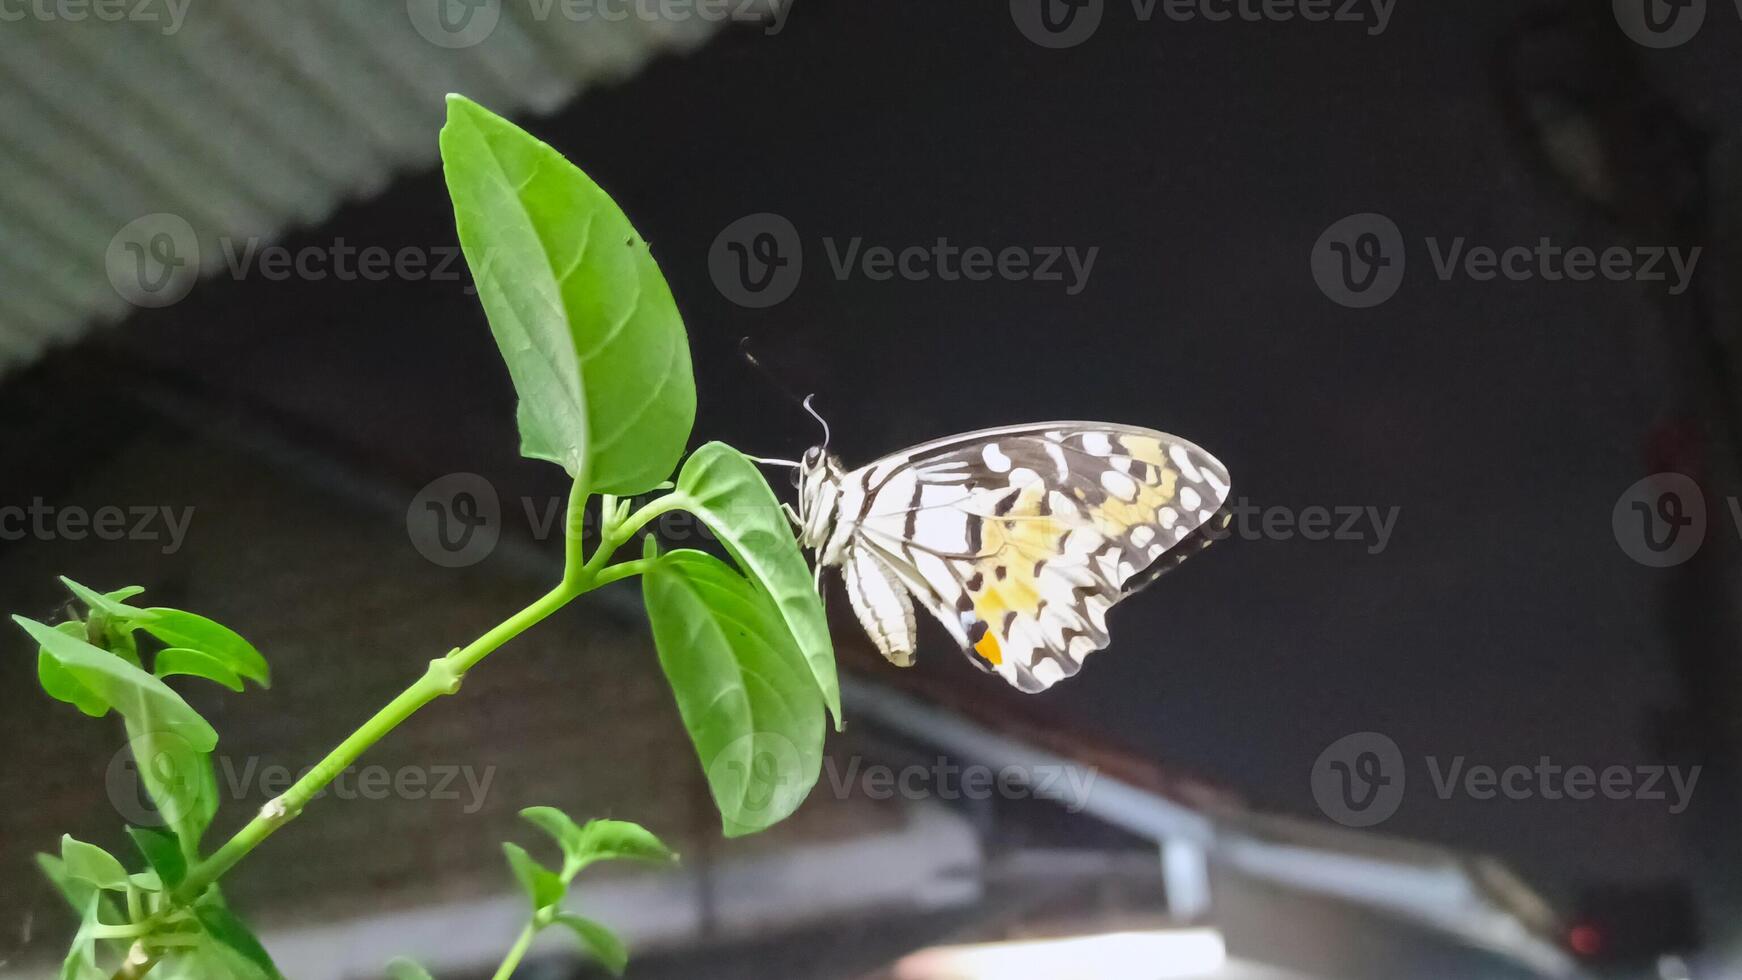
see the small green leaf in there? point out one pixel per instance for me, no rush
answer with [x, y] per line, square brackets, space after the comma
[746, 695]
[110, 604]
[582, 315]
[541, 884]
[557, 824]
[146, 881]
[723, 488]
[248, 958]
[61, 685]
[88, 862]
[406, 969]
[162, 854]
[619, 840]
[138, 696]
[195, 663]
[185, 629]
[179, 778]
[600, 941]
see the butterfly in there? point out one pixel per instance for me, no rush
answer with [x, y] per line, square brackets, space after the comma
[1017, 539]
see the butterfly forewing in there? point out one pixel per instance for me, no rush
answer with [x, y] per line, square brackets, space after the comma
[1020, 539]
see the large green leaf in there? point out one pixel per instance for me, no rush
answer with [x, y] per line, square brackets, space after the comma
[723, 488]
[137, 695]
[584, 320]
[186, 630]
[744, 690]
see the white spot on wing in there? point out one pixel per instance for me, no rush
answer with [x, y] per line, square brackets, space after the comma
[995, 459]
[1119, 485]
[1183, 459]
[1168, 516]
[1141, 535]
[1097, 443]
[1190, 498]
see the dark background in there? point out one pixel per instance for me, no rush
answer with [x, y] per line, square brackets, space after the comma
[1504, 419]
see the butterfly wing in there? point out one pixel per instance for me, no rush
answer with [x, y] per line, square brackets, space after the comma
[1020, 539]
[881, 603]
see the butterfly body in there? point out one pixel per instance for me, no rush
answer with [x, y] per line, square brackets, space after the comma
[1017, 539]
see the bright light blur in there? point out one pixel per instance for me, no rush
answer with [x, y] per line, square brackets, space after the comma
[1116, 956]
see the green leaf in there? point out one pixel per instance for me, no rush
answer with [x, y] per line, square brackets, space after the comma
[88, 862]
[196, 632]
[138, 696]
[247, 959]
[195, 663]
[557, 824]
[582, 315]
[178, 777]
[110, 604]
[60, 684]
[162, 854]
[541, 884]
[619, 840]
[600, 941]
[405, 969]
[723, 488]
[744, 690]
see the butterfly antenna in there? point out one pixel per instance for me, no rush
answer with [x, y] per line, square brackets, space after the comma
[819, 418]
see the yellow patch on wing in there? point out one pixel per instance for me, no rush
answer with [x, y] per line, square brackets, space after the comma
[1114, 516]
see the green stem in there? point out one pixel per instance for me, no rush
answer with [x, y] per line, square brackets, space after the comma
[580, 575]
[515, 953]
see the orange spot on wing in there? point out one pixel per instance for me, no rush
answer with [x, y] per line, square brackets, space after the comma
[989, 649]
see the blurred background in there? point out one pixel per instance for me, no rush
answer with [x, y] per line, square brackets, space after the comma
[1446, 287]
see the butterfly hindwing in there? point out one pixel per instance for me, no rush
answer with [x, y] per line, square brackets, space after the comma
[1020, 540]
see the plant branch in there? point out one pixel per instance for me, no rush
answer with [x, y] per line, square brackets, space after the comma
[516, 953]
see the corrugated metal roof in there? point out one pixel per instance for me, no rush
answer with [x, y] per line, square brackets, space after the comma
[133, 130]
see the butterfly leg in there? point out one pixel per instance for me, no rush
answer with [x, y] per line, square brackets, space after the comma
[792, 515]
